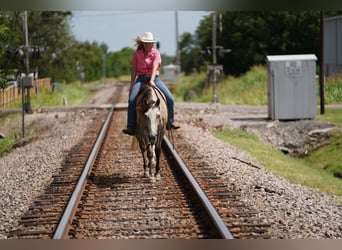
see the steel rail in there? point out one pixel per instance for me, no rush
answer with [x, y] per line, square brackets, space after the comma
[69, 211]
[216, 219]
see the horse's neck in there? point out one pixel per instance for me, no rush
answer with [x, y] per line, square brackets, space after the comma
[158, 93]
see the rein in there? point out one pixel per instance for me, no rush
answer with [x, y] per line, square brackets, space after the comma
[170, 132]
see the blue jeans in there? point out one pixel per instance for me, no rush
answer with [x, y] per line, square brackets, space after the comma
[131, 116]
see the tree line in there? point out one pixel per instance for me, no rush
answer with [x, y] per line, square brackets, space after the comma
[54, 49]
[250, 36]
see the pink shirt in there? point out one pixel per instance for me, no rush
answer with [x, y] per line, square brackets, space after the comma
[144, 64]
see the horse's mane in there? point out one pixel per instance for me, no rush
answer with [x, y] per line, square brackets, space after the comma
[145, 91]
[145, 97]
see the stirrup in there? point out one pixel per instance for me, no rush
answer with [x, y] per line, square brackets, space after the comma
[169, 126]
[128, 131]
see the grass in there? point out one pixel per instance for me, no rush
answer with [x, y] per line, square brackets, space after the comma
[6, 144]
[333, 89]
[321, 170]
[249, 89]
[295, 170]
[329, 156]
[191, 88]
[73, 93]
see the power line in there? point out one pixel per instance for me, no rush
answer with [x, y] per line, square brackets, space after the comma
[81, 14]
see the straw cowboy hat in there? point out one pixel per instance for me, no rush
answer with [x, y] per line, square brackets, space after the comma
[147, 38]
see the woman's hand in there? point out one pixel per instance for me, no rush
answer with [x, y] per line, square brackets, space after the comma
[151, 83]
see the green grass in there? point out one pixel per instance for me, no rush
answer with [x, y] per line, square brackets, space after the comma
[333, 89]
[190, 86]
[295, 170]
[332, 115]
[6, 144]
[329, 156]
[73, 93]
[250, 88]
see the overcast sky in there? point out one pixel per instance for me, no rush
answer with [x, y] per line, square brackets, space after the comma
[119, 29]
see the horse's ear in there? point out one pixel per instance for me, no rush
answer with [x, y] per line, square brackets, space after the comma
[157, 102]
[145, 102]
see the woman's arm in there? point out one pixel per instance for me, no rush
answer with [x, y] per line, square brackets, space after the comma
[133, 77]
[153, 74]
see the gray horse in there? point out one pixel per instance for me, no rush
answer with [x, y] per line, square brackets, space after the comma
[152, 117]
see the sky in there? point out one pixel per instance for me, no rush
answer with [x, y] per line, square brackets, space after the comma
[118, 29]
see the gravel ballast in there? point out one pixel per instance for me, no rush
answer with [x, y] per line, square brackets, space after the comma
[27, 170]
[294, 211]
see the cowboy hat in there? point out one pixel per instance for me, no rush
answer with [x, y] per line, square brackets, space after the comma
[147, 38]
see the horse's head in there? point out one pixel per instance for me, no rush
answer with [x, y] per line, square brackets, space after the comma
[153, 120]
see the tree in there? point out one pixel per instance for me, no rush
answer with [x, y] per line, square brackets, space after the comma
[47, 30]
[119, 63]
[50, 31]
[254, 35]
[3, 42]
[9, 40]
[191, 57]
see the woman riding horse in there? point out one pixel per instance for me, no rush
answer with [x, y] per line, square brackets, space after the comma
[146, 62]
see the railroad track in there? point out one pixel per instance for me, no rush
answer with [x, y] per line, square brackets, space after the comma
[115, 201]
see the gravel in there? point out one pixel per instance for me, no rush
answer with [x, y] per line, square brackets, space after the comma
[38, 160]
[294, 211]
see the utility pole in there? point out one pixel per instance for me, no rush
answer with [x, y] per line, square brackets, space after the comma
[178, 62]
[103, 68]
[28, 81]
[214, 38]
[21, 82]
[216, 69]
[321, 64]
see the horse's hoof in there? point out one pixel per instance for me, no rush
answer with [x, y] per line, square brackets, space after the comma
[152, 179]
[158, 177]
[146, 174]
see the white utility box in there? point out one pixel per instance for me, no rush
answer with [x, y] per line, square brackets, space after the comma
[171, 72]
[291, 87]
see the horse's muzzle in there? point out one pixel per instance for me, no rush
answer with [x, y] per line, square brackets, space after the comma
[153, 139]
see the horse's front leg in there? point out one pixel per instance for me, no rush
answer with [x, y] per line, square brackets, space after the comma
[151, 155]
[146, 171]
[158, 152]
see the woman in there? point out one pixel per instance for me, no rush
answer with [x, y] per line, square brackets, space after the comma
[146, 62]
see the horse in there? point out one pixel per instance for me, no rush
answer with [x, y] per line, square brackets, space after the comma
[152, 116]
